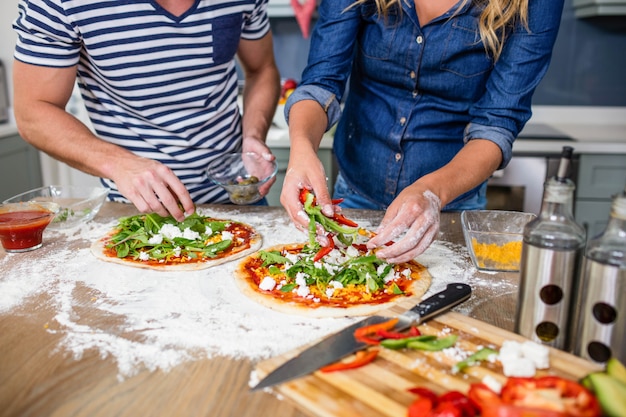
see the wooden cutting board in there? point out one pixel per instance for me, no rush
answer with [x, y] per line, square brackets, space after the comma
[380, 388]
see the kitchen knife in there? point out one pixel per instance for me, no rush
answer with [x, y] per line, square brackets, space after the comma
[343, 343]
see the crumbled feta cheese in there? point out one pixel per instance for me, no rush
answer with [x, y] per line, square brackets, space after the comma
[406, 272]
[352, 251]
[177, 251]
[144, 256]
[301, 279]
[170, 231]
[329, 291]
[335, 284]
[156, 239]
[293, 258]
[190, 234]
[226, 235]
[303, 291]
[267, 284]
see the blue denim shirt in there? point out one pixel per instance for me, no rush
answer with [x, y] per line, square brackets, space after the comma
[417, 94]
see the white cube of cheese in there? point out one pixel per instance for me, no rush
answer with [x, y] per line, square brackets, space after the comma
[538, 353]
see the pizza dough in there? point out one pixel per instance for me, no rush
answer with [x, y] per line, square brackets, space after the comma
[248, 278]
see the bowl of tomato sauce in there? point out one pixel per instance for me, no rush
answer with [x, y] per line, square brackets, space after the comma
[22, 224]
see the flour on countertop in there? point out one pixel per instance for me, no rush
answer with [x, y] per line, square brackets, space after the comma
[157, 320]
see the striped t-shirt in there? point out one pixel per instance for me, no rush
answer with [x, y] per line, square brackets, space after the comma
[162, 86]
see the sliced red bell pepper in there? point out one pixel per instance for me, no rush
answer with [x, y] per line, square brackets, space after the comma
[361, 247]
[325, 250]
[421, 407]
[551, 393]
[386, 334]
[362, 334]
[341, 219]
[424, 392]
[363, 357]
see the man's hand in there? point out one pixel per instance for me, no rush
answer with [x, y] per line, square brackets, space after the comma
[153, 188]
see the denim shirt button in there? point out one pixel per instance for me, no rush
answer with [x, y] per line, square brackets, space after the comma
[402, 121]
[419, 39]
[398, 157]
[415, 93]
[412, 75]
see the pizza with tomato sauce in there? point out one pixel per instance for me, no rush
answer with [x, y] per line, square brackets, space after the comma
[164, 244]
[347, 281]
[337, 279]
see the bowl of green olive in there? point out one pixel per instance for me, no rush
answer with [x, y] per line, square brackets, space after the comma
[245, 176]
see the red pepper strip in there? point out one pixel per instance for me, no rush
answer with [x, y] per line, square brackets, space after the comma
[303, 195]
[386, 334]
[573, 397]
[460, 401]
[341, 219]
[420, 407]
[424, 392]
[336, 201]
[363, 357]
[414, 331]
[361, 247]
[325, 250]
[362, 333]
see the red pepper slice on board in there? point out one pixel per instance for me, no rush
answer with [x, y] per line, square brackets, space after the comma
[363, 334]
[424, 392]
[386, 334]
[551, 393]
[421, 407]
[325, 250]
[363, 357]
[460, 401]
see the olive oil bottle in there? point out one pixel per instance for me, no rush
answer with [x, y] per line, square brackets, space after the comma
[552, 250]
[602, 332]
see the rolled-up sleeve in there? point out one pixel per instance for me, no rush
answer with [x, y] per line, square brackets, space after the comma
[327, 100]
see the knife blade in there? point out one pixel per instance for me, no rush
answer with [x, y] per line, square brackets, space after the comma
[343, 343]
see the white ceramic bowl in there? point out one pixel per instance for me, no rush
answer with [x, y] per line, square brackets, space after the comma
[78, 204]
[494, 238]
[241, 175]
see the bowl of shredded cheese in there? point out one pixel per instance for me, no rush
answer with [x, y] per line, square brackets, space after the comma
[494, 238]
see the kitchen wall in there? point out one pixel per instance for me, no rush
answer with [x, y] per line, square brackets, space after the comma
[587, 69]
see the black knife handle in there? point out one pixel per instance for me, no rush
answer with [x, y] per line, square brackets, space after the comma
[453, 295]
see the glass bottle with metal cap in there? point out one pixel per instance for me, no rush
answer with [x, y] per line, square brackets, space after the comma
[603, 309]
[552, 251]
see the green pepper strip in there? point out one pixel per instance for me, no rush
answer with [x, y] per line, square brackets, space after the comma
[434, 345]
[402, 343]
[316, 216]
[476, 357]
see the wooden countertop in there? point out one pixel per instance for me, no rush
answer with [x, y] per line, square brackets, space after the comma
[39, 378]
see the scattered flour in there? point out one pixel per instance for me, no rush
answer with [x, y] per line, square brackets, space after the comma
[157, 320]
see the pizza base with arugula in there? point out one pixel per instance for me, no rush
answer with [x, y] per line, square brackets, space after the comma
[346, 282]
[164, 244]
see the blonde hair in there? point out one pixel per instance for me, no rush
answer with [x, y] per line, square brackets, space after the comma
[497, 17]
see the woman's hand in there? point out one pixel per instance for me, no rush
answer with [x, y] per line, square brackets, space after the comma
[305, 172]
[414, 213]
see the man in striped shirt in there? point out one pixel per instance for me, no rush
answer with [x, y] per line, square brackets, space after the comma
[159, 81]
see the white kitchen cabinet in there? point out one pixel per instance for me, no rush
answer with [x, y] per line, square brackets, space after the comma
[19, 166]
[599, 178]
[327, 157]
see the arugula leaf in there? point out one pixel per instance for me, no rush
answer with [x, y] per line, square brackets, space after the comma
[272, 257]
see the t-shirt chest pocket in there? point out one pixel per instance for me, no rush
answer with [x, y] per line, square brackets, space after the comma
[226, 31]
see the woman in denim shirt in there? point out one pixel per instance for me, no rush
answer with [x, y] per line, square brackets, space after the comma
[438, 91]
